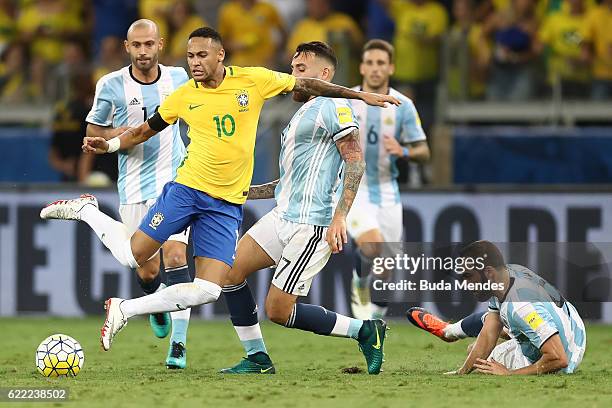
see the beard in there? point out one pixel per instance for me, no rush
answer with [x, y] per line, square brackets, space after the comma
[145, 65]
[300, 97]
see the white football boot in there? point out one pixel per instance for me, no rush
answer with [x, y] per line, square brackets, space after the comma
[115, 321]
[68, 209]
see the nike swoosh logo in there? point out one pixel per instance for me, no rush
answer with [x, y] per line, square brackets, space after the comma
[377, 345]
[192, 107]
[263, 371]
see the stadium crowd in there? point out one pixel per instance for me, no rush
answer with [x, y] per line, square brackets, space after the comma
[53, 51]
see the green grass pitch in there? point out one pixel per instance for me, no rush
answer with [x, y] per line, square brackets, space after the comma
[309, 371]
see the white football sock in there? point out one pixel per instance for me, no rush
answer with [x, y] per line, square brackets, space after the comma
[454, 331]
[176, 297]
[113, 234]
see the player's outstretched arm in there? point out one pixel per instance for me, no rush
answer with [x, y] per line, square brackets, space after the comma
[553, 359]
[485, 343]
[262, 191]
[105, 132]
[354, 167]
[128, 139]
[318, 87]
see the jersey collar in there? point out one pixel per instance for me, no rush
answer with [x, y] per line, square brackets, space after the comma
[146, 83]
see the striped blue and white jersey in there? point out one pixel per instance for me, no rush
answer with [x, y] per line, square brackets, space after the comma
[379, 183]
[533, 310]
[310, 164]
[122, 100]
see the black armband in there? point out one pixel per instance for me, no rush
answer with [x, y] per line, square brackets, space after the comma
[157, 123]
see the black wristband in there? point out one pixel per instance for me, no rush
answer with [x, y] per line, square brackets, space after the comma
[157, 123]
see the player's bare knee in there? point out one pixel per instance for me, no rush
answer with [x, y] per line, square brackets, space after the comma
[174, 257]
[140, 256]
[235, 276]
[148, 271]
[277, 311]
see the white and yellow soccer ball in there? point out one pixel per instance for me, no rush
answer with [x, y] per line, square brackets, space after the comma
[59, 356]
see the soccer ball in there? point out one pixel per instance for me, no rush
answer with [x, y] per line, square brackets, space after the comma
[59, 356]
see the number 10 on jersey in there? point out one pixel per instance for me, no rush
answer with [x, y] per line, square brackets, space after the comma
[226, 125]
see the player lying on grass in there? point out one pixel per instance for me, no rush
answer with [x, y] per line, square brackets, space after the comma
[298, 236]
[546, 332]
[221, 105]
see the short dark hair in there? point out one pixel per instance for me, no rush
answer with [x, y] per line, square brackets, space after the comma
[377, 44]
[206, 32]
[319, 49]
[486, 250]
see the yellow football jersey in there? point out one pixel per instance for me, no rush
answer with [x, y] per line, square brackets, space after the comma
[222, 128]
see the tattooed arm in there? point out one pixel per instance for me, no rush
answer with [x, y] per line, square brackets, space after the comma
[354, 167]
[262, 191]
[318, 87]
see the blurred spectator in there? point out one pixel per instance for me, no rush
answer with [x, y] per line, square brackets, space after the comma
[45, 24]
[357, 10]
[13, 74]
[158, 11]
[7, 23]
[337, 29]
[74, 62]
[69, 125]
[68, 130]
[599, 36]
[251, 31]
[112, 18]
[380, 23]
[419, 26]
[291, 11]
[513, 32]
[467, 54]
[563, 33]
[112, 57]
[183, 21]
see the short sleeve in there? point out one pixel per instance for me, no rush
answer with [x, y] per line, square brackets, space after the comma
[338, 118]
[411, 130]
[493, 305]
[272, 83]
[534, 321]
[169, 110]
[103, 106]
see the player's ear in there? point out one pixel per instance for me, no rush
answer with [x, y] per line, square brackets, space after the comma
[161, 43]
[391, 69]
[126, 44]
[221, 55]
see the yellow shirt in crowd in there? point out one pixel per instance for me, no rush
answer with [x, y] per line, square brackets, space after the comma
[599, 32]
[222, 128]
[48, 47]
[564, 34]
[253, 28]
[178, 42]
[310, 29]
[416, 55]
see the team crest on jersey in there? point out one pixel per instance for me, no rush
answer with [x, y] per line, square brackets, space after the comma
[243, 100]
[156, 220]
[389, 121]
